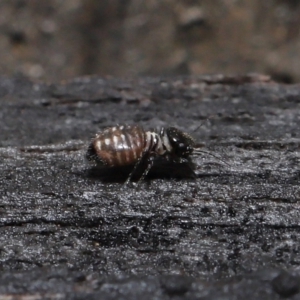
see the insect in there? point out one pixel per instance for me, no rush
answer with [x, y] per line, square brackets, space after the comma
[130, 145]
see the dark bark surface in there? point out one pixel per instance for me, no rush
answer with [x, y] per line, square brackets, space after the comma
[231, 233]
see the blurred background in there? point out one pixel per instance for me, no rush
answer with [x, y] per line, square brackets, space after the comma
[60, 39]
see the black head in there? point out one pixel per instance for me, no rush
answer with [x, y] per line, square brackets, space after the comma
[182, 144]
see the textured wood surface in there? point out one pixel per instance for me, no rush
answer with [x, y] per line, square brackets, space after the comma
[68, 232]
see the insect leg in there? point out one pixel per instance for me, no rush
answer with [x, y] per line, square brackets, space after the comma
[139, 162]
[187, 162]
[150, 162]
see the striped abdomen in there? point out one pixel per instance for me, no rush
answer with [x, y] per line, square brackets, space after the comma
[118, 146]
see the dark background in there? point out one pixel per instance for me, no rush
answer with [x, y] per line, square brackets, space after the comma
[55, 40]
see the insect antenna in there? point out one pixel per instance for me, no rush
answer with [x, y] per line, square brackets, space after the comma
[198, 151]
[210, 117]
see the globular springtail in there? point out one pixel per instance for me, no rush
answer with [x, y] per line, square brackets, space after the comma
[120, 146]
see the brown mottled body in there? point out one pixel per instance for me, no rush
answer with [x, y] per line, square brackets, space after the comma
[118, 146]
[121, 146]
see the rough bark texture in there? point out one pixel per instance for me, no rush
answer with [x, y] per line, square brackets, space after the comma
[231, 233]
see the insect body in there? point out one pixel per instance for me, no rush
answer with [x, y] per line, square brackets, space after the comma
[129, 145]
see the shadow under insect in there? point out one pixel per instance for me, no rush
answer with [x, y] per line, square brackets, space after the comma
[161, 168]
